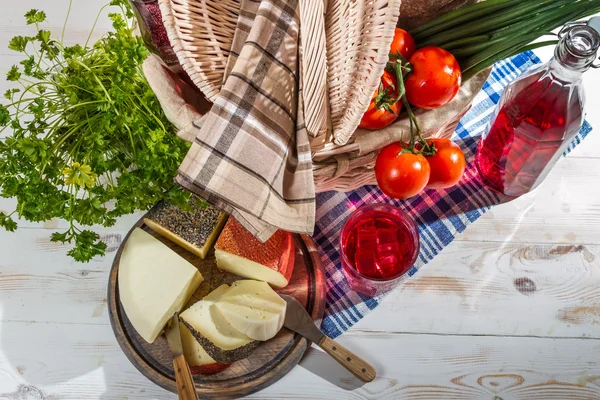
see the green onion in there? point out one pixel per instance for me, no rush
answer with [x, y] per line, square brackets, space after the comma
[493, 5]
[505, 54]
[458, 13]
[483, 33]
[491, 23]
[460, 43]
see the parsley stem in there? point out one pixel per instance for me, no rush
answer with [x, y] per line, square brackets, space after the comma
[62, 37]
[94, 25]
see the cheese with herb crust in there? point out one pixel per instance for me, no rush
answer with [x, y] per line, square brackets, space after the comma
[215, 334]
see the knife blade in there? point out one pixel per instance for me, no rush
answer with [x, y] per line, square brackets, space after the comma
[186, 390]
[297, 319]
[174, 336]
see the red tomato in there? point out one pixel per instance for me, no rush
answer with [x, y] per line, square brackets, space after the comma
[447, 165]
[403, 43]
[401, 175]
[384, 107]
[435, 78]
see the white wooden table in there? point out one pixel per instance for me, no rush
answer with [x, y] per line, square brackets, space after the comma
[510, 310]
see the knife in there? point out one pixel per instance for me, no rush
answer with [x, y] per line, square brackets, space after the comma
[186, 390]
[298, 320]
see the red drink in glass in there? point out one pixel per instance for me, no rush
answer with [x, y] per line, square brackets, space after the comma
[379, 244]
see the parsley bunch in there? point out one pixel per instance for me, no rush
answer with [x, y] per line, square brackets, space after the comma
[89, 140]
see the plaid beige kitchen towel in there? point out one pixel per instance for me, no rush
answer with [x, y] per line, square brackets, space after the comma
[251, 156]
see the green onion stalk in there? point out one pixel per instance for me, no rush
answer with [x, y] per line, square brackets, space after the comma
[481, 34]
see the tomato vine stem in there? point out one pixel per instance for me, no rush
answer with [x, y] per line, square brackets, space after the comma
[417, 144]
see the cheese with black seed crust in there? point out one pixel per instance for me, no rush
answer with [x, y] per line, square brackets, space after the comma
[215, 334]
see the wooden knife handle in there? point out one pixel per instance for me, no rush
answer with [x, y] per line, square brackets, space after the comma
[186, 390]
[359, 367]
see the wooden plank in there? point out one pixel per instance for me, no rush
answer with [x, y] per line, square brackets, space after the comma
[68, 361]
[563, 209]
[498, 289]
[39, 282]
[456, 367]
[83, 13]
[409, 367]
[471, 288]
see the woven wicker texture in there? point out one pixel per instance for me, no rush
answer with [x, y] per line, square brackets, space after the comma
[359, 34]
[314, 66]
[201, 33]
[345, 33]
[350, 170]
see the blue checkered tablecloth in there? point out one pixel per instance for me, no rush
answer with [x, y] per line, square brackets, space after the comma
[440, 215]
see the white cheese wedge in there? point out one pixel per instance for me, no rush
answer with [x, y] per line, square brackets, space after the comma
[194, 354]
[215, 334]
[154, 283]
[248, 269]
[253, 307]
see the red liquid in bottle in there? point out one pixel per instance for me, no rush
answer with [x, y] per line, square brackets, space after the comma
[538, 116]
[531, 131]
[379, 244]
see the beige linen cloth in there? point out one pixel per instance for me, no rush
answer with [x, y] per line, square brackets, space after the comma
[251, 154]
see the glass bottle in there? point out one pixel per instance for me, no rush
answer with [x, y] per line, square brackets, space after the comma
[156, 39]
[154, 33]
[538, 116]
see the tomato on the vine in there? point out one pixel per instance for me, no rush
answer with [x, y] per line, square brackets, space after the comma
[401, 175]
[447, 165]
[385, 105]
[403, 43]
[435, 78]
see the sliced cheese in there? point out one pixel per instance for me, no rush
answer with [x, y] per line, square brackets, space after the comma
[154, 283]
[240, 253]
[214, 333]
[194, 354]
[248, 269]
[253, 307]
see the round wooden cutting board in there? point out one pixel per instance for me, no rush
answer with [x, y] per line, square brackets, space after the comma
[267, 364]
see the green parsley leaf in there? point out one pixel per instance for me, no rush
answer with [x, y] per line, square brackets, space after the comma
[8, 95]
[35, 17]
[13, 74]
[7, 222]
[80, 175]
[89, 142]
[60, 237]
[87, 246]
[43, 36]
[18, 43]
[4, 116]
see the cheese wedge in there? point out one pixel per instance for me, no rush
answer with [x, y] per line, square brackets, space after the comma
[198, 359]
[240, 253]
[253, 308]
[215, 334]
[154, 283]
[196, 230]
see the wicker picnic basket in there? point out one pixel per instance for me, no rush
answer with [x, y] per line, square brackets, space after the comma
[343, 54]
